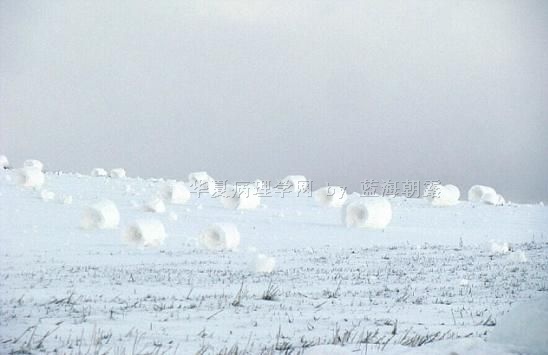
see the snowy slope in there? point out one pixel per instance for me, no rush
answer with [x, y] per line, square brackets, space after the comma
[430, 275]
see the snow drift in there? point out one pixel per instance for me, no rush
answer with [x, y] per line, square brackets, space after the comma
[98, 172]
[145, 233]
[175, 192]
[367, 212]
[242, 197]
[30, 176]
[331, 196]
[101, 215]
[117, 173]
[220, 236]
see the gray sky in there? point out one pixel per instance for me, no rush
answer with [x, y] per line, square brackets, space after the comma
[340, 91]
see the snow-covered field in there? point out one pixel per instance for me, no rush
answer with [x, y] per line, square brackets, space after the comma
[437, 277]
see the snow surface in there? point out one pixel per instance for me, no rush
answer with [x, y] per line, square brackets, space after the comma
[429, 278]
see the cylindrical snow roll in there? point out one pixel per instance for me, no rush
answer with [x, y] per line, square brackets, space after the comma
[492, 198]
[145, 233]
[331, 196]
[263, 263]
[201, 180]
[117, 173]
[297, 183]
[176, 193]
[444, 195]
[220, 236]
[4, 162]
[476, 192]
[102, 215]
[30, 177]
[33, 163]
[242, 197]
[155, 205]
[367, 212]
[98, 172]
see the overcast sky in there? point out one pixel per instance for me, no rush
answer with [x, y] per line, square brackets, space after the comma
[339, 91]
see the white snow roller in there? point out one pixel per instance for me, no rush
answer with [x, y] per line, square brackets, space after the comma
[33, 163]
[175, 192]
[444, 195]
[101, 215]
[30, 177]
[4, 162]
[367, 212]
[330, 196]
[297, 183]
[220, 236]
[98, 172]
[242, 197]
[145, 233]
[263, 263]
[481, 193]
[201, 179]
[117, 173]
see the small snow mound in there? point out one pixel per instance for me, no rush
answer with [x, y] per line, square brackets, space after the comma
[145, 233]
[524, 327]
[117, 173]
[101, 215]
[263, 263]
[47, 195]
[30, 177]
[33, 163]
[155, 205]
[500, 247]
[220, 236]
[368, 212]
[331, 196]
[98, 172]
[175, 192]
[327, 350]
[4, 162]
[242, 197]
